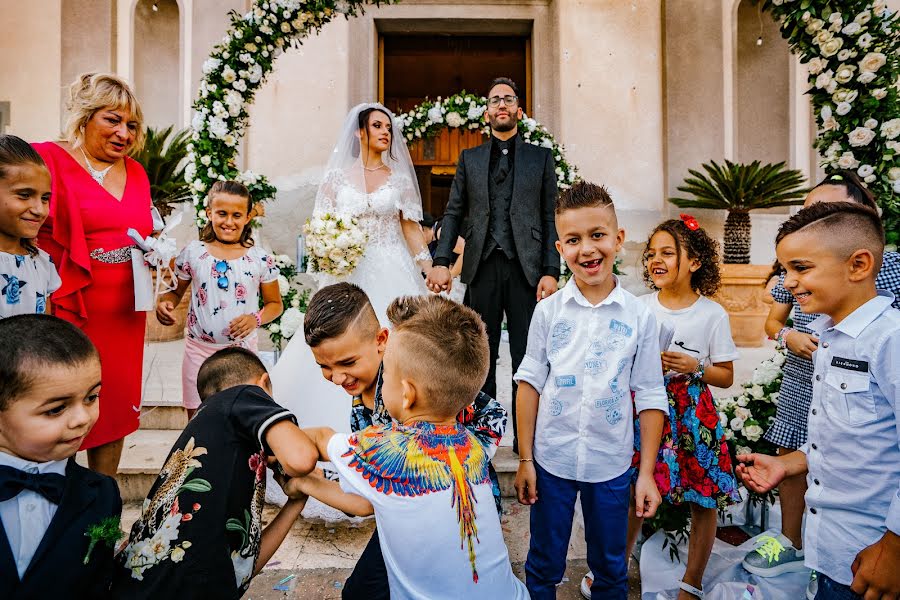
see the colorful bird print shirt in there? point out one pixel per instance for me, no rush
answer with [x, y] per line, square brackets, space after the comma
[26, 282]
[439, 531]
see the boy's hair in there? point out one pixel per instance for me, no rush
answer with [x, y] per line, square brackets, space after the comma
[14, 151]
[853, 186]
[233, 188]
[698, 245]
[845, 227]
[34, 341]
[227, 368]
[443, 346]
[583, 194]
[334, 310]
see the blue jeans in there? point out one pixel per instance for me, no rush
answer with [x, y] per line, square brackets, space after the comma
[829, 589]
[605, 508]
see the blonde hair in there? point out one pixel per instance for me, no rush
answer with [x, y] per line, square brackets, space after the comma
[91, 92]
[443, 347]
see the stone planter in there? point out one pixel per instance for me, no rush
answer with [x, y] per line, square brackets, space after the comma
[743, 294]
[157, 332]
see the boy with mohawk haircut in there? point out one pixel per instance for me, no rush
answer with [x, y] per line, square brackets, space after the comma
[426, 466]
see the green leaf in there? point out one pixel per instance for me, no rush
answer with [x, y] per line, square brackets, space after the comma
[196, 485]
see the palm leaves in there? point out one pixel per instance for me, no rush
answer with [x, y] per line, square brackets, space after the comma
[740, 188]
[163, 158]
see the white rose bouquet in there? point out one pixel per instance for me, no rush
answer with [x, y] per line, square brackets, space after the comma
[335, 244]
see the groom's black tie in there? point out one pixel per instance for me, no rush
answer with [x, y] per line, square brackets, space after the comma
[503, 162]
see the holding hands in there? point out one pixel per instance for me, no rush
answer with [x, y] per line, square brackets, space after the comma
[439, 279]
[165, 311]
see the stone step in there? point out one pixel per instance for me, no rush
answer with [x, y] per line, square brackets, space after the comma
[163, 415]
[145, 451]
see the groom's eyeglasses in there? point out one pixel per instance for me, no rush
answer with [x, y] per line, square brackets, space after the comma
[222, 272]
[494, 101]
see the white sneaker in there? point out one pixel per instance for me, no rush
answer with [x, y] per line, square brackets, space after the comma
[586, 582]
[812, 588]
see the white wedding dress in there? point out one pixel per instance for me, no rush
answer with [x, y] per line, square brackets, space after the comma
[386, 271]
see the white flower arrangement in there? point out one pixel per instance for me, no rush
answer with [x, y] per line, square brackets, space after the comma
[233, 73]
[293, 300]
[335, 243]
[853, 57]
[466, 111]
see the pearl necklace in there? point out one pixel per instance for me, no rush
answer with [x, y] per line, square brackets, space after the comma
[97, 175]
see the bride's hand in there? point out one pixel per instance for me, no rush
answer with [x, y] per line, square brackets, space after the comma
[439, 279]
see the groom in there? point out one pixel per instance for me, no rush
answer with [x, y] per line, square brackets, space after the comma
[502, 203]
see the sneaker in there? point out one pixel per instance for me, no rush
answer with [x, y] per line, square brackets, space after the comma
[773, 556]
[812, 588]
[586, 582]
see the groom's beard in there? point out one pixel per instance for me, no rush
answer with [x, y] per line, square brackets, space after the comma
[502, 126]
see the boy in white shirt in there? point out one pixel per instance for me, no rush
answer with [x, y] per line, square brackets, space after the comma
[425, 474]
[832, 252]
[591, 346]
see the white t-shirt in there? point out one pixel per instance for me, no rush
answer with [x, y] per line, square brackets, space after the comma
[26, 283]
[702, 330]
[426, 556]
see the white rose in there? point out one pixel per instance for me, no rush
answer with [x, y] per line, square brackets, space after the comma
[779, 359]
[847, 161]
[865, 40]
[743, 413]
[844, 73]
[454, 119]
[831, 47]
[866, 77]
[844, 54]
[871, 123]
[240, 85]
[774, 397]
[872, 61]
[736, 424]
[290, 322]
[861, 136]
[210, 65]
[863, 17]
[742, 400]
[757, 391]
[895, 146]
[205, 160]
[824, 79]
[843, 108]
[229, 140]
[890, 129]
[753, 432]
[830, 124]
[835, 17]
[893, 173]
[816, 66]
[814, 26]
[851, 29]
[217, 127]
[823, 36]
[870, 178]
[274, 328]
[285, 27]
[865, 170]
[879, 93]
[229, 75]
[896, 186]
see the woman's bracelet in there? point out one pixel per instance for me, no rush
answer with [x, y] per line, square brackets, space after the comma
[524, 460]
[781, 338]
[258, 316]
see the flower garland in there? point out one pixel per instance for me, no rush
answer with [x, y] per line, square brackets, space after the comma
[293, 300]
[233, 73]
[466, 111]
[852, 49]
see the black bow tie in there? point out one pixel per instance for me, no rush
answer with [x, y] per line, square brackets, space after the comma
[48, 485]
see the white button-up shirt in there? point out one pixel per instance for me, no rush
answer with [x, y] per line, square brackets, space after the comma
[27, 515]
[585, 360]
[853, 450]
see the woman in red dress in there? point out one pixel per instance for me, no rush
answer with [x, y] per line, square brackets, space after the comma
[98, 194]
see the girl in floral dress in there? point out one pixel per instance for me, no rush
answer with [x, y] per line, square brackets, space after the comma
[227, 274]
[27, 275]
[681, 262]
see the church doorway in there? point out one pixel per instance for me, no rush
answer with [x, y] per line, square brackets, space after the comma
[413, 67]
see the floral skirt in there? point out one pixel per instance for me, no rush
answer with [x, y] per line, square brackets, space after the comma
[694, 463]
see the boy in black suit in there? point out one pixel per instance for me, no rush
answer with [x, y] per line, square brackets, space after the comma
[50, 506]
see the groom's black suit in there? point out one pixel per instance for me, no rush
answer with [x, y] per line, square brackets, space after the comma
[502, 203]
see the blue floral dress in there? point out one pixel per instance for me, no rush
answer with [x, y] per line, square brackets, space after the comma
[26, 282]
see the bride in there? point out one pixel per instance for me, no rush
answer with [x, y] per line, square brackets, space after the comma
[370, 177]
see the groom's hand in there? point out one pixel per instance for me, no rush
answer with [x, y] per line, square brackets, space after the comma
[547, 286]
[439, 279]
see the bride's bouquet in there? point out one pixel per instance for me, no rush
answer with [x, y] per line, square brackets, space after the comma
[334, 243]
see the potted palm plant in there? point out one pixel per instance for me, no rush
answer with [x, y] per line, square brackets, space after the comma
[164, 158]
[738, 189]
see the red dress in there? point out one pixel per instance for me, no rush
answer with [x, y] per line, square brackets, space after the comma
[96, 296]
